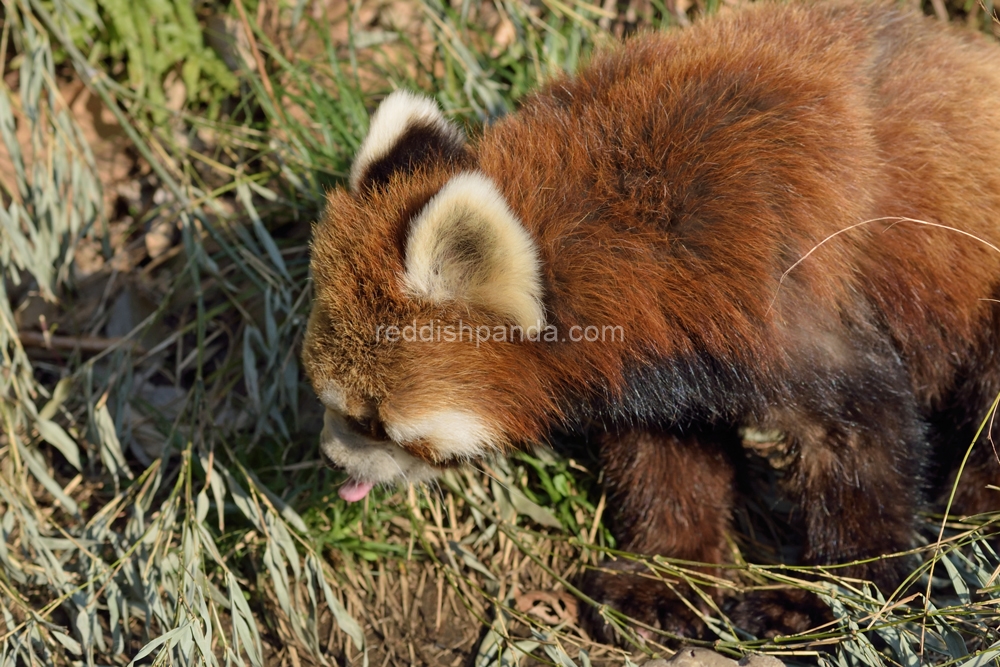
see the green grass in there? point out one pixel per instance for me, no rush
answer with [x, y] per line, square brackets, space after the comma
[228, 544]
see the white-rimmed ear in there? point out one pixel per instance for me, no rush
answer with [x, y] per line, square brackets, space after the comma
[466, 245]
[405, 130]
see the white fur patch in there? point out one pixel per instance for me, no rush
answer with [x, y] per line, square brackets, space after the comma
[369, 460]
[334, 397]
[454, 434]
[467, 245]
[397, 113]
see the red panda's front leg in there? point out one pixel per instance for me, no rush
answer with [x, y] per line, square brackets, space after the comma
[856, 476]
[858, 481]
[670, 496]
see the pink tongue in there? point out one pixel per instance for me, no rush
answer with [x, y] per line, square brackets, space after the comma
[352, 491]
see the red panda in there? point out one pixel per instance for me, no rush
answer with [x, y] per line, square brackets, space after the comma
[778, 221]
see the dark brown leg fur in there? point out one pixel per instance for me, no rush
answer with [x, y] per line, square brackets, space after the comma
[858, 495]
[974, 495]
[781, 612]
[859, 475]
[857, 491]
[670, 496]
[963, 415]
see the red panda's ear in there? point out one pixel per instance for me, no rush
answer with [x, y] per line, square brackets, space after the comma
[466, 245]
[404, 131]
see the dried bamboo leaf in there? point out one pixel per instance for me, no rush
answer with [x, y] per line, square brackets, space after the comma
[54, 434]
[344, 620]
[111, 449]
[470, 560]
[8, 132]
[987, 657]
[166, 640]
[63, 390]
[244, 625]
[37, 468]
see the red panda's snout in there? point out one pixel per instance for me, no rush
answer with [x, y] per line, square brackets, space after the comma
[368, 460]
[400, 441]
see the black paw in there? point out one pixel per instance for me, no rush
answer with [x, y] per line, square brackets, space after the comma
[632, 589]
[769, 614]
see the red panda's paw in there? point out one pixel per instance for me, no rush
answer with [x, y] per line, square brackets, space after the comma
[629, 588]
[779, 613]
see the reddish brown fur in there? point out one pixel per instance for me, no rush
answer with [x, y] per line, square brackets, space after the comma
[669, 186]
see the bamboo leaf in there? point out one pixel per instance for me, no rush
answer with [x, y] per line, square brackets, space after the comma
[59, 395]
[250, 378]
[987, 657]
[345, 621]
[56, 436]
[284, 509]
[68, 642]
[111, 448]
[243, 500]
[531, 509]
[166, 640]
[243, 192]
[37, 469]
[201, 507]
[244, 625]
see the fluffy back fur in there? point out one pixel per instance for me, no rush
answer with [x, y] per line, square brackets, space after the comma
[667, 194]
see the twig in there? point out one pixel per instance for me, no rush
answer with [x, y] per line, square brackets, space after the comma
[82, 343]
[259, 59]
[939, 10]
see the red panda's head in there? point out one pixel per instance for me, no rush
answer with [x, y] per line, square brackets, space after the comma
[411, 267]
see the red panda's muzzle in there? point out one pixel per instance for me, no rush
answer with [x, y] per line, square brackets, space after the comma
[368, 460]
